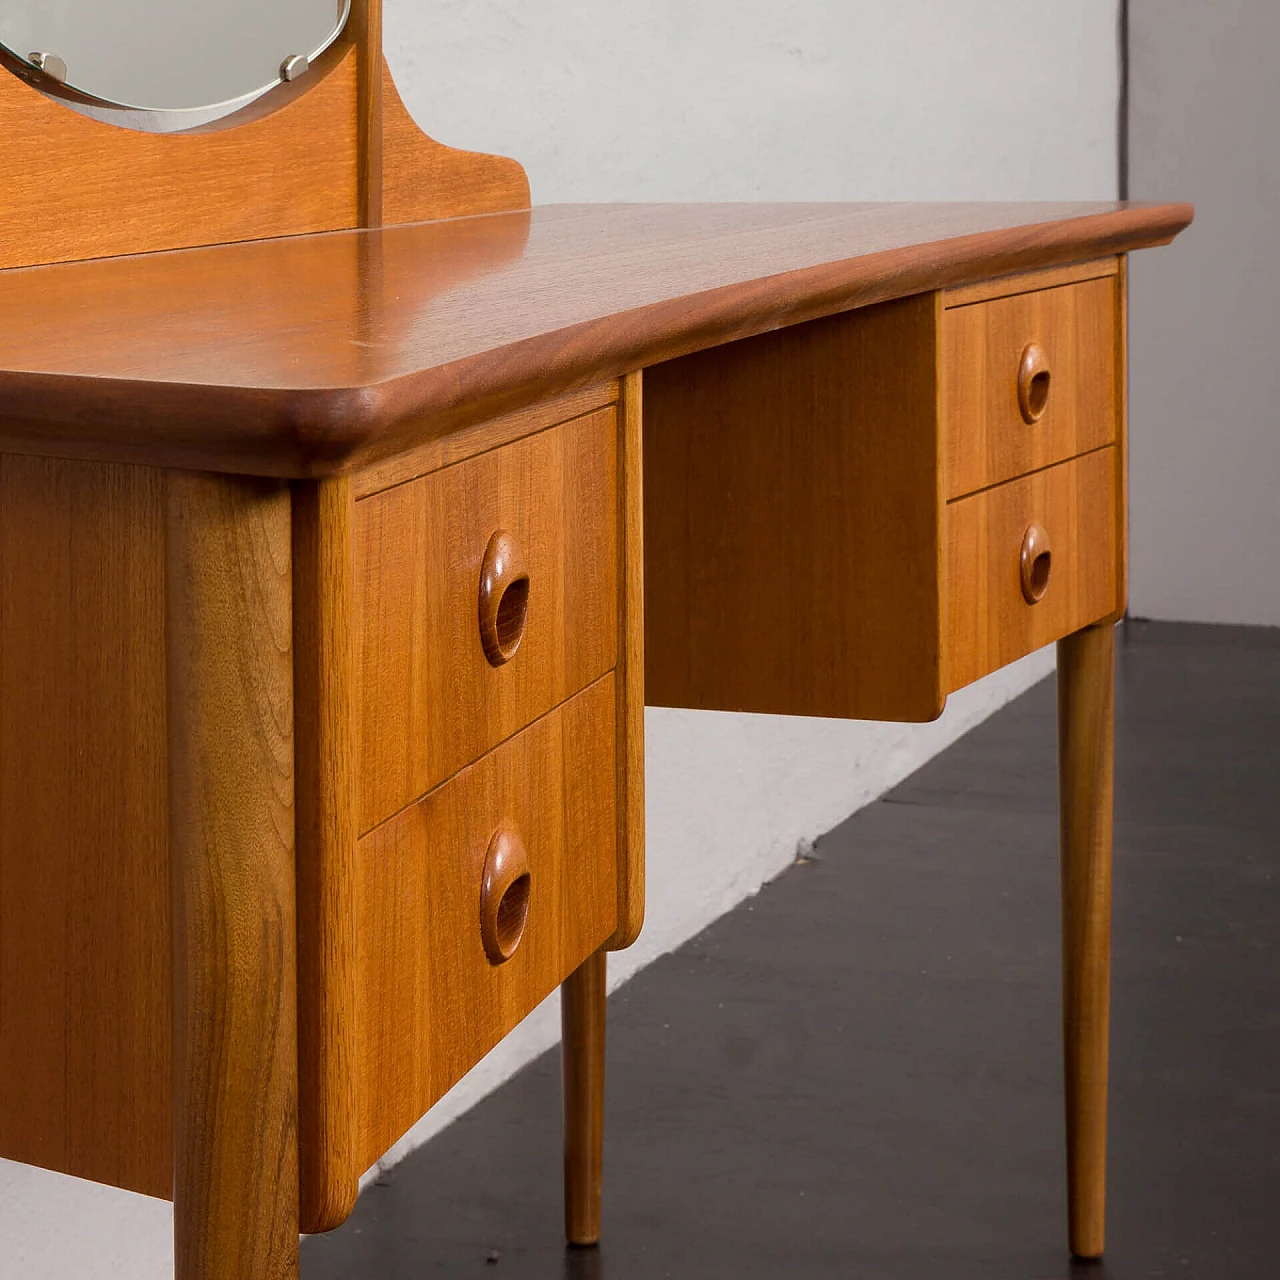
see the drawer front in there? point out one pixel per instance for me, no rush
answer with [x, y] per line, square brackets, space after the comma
[1028, 381]
[446, 669]
[431, 1000]
[1055, 533]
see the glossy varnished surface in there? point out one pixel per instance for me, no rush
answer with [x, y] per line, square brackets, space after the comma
[315, 354]
[987, 438]
[990, 623]
[794, 522]
[430, 699]
[430, 1004]
[85, 1003]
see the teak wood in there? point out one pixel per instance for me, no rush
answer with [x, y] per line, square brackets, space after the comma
[1086, 751]
[332, 150]
[990, 622]
[630, 669]
[235, 1052]
[296, 820]
[85, 990]
[828, 607]
[430, 699]
[314, 355]
[1007, 286]
[1068, 334]
[430, 1003]
[324, 702]
[582, 1021]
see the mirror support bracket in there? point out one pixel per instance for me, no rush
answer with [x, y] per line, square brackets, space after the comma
[330, 150]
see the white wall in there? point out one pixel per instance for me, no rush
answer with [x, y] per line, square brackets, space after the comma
[1205, 315]
[731, 99]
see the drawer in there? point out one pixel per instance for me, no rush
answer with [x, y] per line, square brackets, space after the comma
[1063, 522]
[433, 993]
[1028, 381]
[448, 667]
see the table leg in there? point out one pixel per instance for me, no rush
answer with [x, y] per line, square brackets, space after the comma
[230, 670]
[1086, 715]
[582, 1013]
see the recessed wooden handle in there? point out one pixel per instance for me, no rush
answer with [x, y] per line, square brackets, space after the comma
[504, 895]
[1033, 382]
[504, 598]
[1036, 563]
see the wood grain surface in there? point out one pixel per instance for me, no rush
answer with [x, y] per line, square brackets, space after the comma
[429, 1002]
[85, 967]
[1025, 281]
[230, 670]
[333, 149]
[630, 669]
[423, 178]
[582, 1050]
[1086, 773]
[241, 179]
[1121, 331]
[987, 437]
[364, 30]
[989, 622]
[458, 446]
[325, 718]
[429, 700]
[270, 358]
[793, 521]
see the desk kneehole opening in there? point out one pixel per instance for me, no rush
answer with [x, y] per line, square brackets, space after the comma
[1034, 377]
[504, 598]
[1035, 563]
[505, 889]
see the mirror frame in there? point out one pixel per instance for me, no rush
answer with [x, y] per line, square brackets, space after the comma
[163, 119]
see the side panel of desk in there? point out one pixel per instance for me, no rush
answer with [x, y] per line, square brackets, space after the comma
[85, 1007]
[794, 522]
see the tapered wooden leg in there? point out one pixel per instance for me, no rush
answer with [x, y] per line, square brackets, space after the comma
[582, 1012]
[1086, 714]
[230, 673]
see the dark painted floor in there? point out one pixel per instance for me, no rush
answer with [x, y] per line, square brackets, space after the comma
[856, 1073]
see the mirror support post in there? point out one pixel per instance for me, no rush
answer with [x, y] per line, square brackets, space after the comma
[366, 32]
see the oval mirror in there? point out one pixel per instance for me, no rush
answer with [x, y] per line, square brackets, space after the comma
[205, 56]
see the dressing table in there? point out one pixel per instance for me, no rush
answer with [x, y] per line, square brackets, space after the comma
[350, 512]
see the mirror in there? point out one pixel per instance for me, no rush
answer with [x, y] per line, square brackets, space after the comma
[202, 57]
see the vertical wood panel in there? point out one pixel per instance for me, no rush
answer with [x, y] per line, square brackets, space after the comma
[230, 668]
[1122, 438]
[85, 1015]
[630, 670]
[364, 27]
[793, 520]
[422, 178]
[285, 167]
[324, 684]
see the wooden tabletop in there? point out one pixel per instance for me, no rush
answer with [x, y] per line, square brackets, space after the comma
[316, 354]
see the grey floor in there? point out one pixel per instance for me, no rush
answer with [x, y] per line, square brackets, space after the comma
[857, 1072]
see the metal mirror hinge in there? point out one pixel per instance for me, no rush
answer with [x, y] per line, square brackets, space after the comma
[52, 65]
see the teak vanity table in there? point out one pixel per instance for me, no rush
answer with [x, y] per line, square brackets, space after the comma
[330, 601]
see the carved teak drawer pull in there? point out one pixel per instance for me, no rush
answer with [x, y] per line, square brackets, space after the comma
[1036, 563]
[504, 598]
[1033, 382]
[504, 895]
